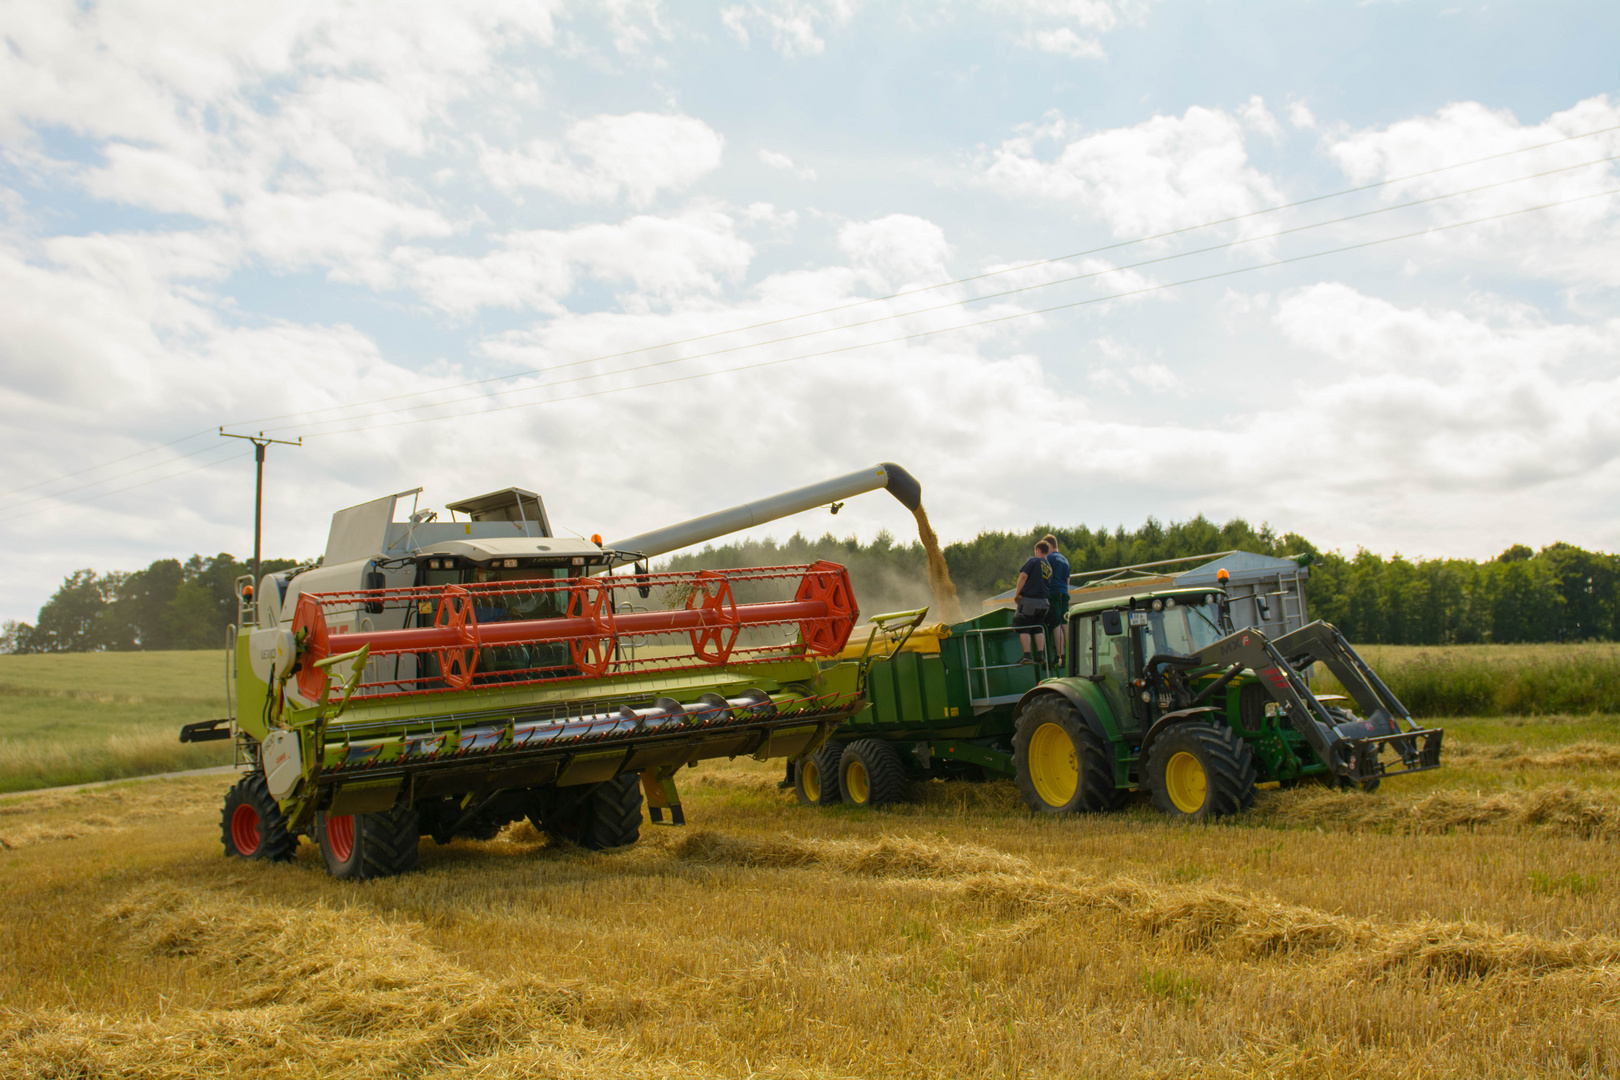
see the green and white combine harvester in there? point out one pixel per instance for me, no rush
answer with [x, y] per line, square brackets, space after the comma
[447, 678]
[1161, 693]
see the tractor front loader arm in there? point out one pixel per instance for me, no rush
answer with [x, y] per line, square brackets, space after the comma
[1350, 748]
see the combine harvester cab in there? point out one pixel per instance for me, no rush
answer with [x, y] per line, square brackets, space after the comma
[447, 678]
[1161, 694]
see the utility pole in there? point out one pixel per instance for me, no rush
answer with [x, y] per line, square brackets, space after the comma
[259, 441]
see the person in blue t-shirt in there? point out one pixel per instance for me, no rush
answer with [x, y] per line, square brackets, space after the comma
[1030, 599]
[1057, 611]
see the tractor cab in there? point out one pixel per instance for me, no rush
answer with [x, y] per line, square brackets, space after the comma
[1115, 642]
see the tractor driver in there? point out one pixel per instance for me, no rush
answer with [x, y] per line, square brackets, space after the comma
[1031, 600]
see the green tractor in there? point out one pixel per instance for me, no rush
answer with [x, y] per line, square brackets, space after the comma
[1161, 693]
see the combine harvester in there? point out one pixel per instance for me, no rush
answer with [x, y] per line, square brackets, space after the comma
[446, 678]
[1162, 693]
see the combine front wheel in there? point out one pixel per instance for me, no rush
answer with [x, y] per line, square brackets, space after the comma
[369, 845]
[252, 825]
[1062, 765]
[1200, 771]
[870, 773]
[816, 778]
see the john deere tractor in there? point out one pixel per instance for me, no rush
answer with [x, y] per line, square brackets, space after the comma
[1161, 694]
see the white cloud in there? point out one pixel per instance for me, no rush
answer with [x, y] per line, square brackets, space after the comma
[655, 259]
[1063, 41]
[1300, 115]
[1567, 243]
[634, 156]
[793, 27]
[1165, 173]
[783, 163]
[897, 250]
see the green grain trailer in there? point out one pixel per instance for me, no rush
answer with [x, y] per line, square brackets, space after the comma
[1161, 694]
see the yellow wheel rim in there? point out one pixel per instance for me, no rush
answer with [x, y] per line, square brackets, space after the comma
[1054, 767]
[811, 774]
[856, 784]
[1185, 783]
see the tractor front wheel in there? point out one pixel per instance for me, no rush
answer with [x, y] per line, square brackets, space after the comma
[870, 773]
[252, 825]
[1200, 771]
[371, 845]
[1062, 765]
[815, 779]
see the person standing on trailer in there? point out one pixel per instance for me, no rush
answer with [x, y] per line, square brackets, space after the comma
[1057, 612]
[1030, 599]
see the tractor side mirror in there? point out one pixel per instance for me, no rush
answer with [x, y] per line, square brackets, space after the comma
[1263, 606]
[1112, 624]
[641, 580]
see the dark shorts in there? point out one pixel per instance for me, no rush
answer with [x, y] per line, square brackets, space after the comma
[1030, 622]
[1058, 613]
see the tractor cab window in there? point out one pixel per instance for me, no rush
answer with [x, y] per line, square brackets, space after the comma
[1183, 630]
[1085, 645]
[1114, 665]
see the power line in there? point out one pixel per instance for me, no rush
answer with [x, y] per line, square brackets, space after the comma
[116, 476]
[941, 307]
[105, 464]
[941, 285]
[154, 480]
[983, 322]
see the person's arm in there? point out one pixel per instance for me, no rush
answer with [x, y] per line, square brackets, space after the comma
[1018, 590]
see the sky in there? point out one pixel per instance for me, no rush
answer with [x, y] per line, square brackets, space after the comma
[1347, 269]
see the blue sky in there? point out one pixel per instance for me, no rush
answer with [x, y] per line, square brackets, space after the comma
[327, 220]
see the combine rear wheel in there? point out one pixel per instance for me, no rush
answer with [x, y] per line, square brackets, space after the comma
[369, 845]
[252, 825]
[870, 773]
[1062, 765]
[606, 815]
[1200, 771]
[816, 777]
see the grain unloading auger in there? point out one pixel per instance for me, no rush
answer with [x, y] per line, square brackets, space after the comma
[446, 678]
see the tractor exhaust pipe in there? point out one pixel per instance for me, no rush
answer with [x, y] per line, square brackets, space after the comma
[901, 484]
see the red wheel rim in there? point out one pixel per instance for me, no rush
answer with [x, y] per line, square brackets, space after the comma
[245, 830]
[340, 836]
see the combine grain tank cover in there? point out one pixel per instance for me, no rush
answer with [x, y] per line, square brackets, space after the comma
[509, 504]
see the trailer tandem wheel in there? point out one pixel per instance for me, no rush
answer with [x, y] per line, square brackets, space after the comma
[1062, 765]
[870, 773]
[372, 845]
[252, 825]
[815, 779]
[1197, 770]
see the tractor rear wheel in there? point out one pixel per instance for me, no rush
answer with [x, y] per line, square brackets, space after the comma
[372, 845]
[252, 825]
[815, 779]
[1200, 771]
[870, 773]
[1062, 765]
[605, 815]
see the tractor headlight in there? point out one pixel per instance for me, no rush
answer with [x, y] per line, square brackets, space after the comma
[1158, 605]
[1170, 602]
[1147, 695]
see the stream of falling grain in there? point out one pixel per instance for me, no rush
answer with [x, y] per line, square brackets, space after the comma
[946, 607]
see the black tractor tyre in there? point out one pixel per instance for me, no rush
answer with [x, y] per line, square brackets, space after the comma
[372, 845]
[252, 825]
[1062, 765]
[598, 817]
[870, 773]
[815, 780]
[1200, 771]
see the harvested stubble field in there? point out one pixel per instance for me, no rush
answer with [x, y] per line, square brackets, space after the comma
[1459, 923]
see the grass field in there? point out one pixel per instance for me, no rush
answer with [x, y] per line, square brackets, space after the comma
[1460, 923]
[70, 718]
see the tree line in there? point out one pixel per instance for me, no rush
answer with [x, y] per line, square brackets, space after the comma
[1559, 593]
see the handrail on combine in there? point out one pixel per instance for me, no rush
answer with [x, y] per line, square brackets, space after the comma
[578, 637]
